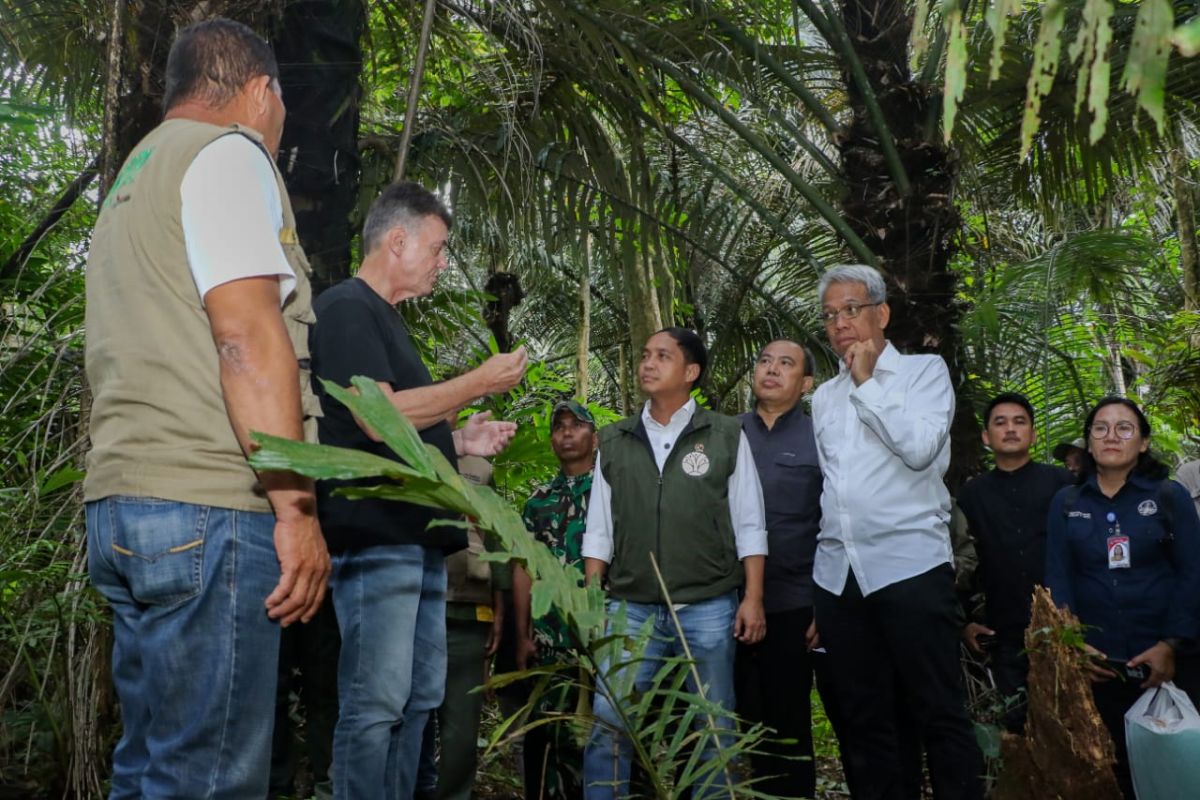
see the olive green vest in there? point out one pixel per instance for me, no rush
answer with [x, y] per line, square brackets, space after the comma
[159, 427]
[681, 517]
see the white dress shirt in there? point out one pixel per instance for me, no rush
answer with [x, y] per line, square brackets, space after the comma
[745, 492]
[884, 447]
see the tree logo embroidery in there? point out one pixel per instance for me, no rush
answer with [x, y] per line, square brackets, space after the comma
[1147, 508]
[119, 192]
[696, 463]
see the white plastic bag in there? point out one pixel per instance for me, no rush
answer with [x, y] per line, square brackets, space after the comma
[1162, 731]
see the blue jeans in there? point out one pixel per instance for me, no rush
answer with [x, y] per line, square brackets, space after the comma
[194, 655]
[708, 628]
[391, 608]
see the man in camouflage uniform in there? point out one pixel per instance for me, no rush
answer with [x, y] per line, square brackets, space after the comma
[556, 515]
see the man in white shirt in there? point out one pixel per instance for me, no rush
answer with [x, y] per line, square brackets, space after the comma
[676, 484]
[885, 598]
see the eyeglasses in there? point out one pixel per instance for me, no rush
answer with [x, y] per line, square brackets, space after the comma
[848, 312]
[1123, 429]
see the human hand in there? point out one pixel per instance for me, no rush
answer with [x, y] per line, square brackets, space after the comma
[750, 624]
[970, 634]
[496, 631]
[503, 371]
[483, 436]
[860, 359]
[304, 570]
[1095, 667]
[1161, 660]
[812, 639]
[526, 651]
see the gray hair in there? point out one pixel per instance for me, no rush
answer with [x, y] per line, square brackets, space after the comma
[854, 273]
[401, 204]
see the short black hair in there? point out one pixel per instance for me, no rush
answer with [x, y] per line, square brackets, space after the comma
[1147, 463]
[808, 356]
[694, 351]
[212, 60]
[1007, 397]
[400, 204]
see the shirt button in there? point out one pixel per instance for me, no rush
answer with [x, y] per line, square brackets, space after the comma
[666, 446]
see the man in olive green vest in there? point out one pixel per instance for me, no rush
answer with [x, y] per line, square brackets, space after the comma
[198, 306]
[676, 483]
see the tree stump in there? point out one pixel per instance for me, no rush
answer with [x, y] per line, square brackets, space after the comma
[1066, 752]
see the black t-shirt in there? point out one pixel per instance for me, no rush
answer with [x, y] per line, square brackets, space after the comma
[359, 333]
[1006, 514]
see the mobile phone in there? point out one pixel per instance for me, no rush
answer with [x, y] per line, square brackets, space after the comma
[986, 641]
[1139, 673]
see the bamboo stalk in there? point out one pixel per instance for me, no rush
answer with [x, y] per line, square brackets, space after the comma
[414, 89]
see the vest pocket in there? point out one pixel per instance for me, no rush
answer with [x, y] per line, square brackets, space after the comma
[158, 548]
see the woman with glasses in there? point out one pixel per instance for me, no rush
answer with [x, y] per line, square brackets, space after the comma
[1123, 553]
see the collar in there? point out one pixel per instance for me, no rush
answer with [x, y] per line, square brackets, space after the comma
[679, 418]
[888, 361]
[1135, 479]
[1013, 473]
[782, 419]
[563, 480]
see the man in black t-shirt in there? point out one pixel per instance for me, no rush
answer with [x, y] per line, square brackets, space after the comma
[389, 575]
[1006, 514]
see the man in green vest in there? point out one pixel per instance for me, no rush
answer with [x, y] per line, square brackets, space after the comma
[674, 486]
[198, 306]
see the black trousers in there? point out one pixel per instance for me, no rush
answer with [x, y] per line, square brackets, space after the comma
[906, 634]
[774, 680]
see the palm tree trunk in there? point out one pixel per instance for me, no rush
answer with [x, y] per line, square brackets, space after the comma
[913, 233]
[317, 44]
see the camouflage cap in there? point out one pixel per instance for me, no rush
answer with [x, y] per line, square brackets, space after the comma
[577, 409]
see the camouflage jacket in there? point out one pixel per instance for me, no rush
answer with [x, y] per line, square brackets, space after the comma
[556, 515]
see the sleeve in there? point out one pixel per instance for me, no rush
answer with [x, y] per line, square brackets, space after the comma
[818, 418]
[346, 342]
[598, 537]
[1182, 619]
[911, 418]
[232, 215]
[1058, 554]
[746, 503]
[527, 514]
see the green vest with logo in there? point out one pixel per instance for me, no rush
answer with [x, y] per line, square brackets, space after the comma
[159, 427]
[680, 517]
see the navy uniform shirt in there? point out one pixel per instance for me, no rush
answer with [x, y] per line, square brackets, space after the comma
[1006, 515]
[786, 458]
[1157, 596]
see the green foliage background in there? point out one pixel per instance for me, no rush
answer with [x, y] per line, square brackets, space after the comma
[678, 162]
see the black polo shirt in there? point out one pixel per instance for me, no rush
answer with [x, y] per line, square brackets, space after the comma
[786, 457]
[359, 333]
[1006, 515]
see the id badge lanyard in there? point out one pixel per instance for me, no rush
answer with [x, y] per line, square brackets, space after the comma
[1119, 556]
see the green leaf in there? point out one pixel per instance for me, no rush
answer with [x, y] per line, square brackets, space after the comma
[1090, 52]
[919, 38]
[369, 404]
[956, 67]
[1146, 66]
[1045, 66]
[1187, 37]
[997, 17]
[323, 461]
[60, 478]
